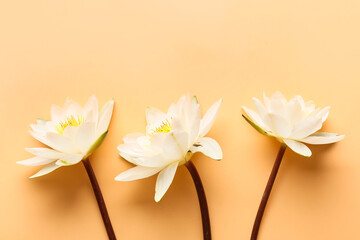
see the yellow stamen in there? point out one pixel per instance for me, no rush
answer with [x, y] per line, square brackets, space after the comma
[69, 121]
[165, 127]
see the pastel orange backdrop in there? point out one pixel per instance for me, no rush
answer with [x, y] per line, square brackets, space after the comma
[150, 53]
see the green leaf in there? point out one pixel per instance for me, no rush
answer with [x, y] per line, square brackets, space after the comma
[96, 144]
[254, 125]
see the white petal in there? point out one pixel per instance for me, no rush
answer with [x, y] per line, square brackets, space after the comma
[259, 107]
[279, 125]
[177, 124]
[267, 103]
[35, 161]
[298, 147]
[172, 111]
[41, 129]
[278, 96]
[182, 140]
[194, 122]
[278, 104]
[131, 149]
[137, 172]
[104, 118]
[154, 116]
[322, 138]
[91, 109]
[254, 116]
[45, 170]
[40, 137]
[45, 153]
[294, 111]
[169, 145]
[132, 137]
[70, 132]
[51, 126]
[60, 143]
[70, 159]
[57, 113]
[71, 107]
[256, 127]
[85, 136]
[209, 147]
[150, 161]
[306, 127]
[209, 118]
[164, 180]
[324, 113]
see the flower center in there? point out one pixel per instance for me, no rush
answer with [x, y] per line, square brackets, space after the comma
[165, 127]
[74, 121]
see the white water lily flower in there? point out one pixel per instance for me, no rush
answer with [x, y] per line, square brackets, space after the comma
[171, 139]
[293, 122]
[72, 134]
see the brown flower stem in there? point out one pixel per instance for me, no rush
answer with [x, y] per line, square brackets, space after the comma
[202, 200]
[100, 199]
[267, 192]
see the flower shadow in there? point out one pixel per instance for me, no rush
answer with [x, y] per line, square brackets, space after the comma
[308, 179]
[62, 188]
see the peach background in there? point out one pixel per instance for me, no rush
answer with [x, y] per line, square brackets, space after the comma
[150, 53]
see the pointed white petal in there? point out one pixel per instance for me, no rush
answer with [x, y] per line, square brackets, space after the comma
[324, 113]
[306, 127]
[278, 96]
[255, 118]
[35, 161]
[260, 108]
[70, 159]
[150, 161]
[105, 117]
[194, 122]
[278, 104]
[177, 124]
[209, 147]
[168, 145]
[294, 111]
[209, 118]
[45, 153]
[39, 128]
[137, 172]
[70, 132]
[56, 113]
[132, 137]
[298, 147]
[60, 143]
[71, 107]
[182, 141]
[91, 109]
[40, 137]
[194, 101]
[172, 111]
[45, 170]
[131, 149]
[322, 138]
[85, 136]
[154, 116]
[164, 180]
[280, 125]
[257, 127]
[267, 102]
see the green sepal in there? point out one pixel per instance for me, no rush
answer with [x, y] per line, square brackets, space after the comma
[96, 144]
[254, 125]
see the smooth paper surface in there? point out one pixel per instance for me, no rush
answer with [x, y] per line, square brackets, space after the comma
[150, 53]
